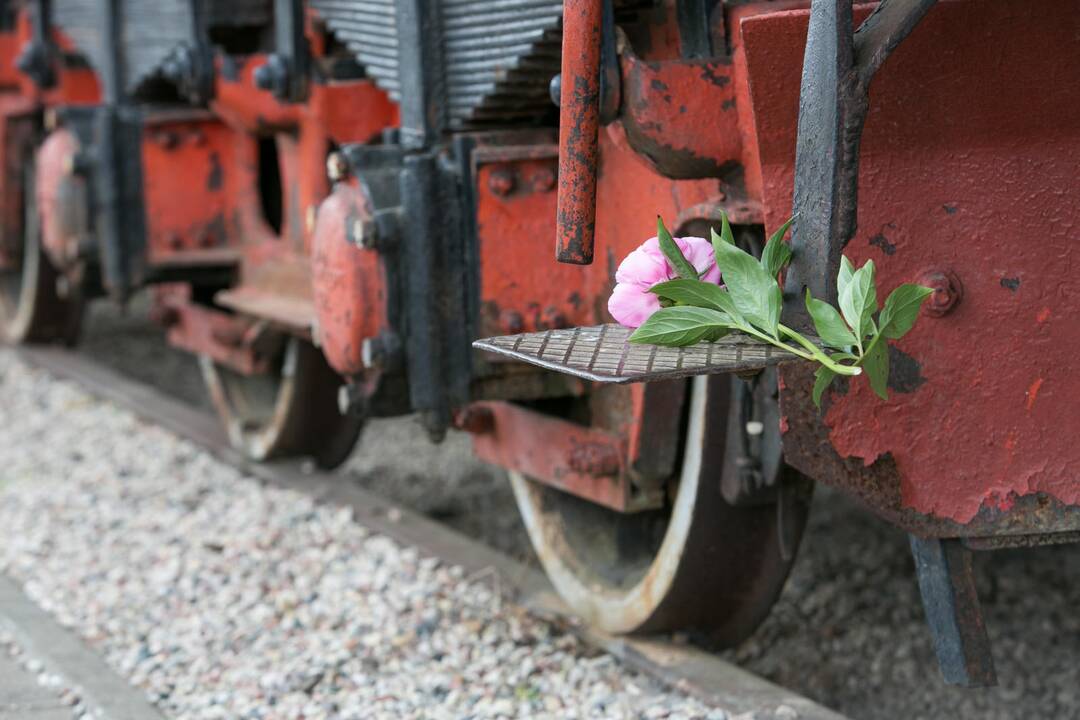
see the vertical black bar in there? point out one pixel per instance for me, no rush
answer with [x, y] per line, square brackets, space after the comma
[35, 59]
[695, 38]
[117, 177]
[947, 585]
[291, 45]
[825, 174]
[422, 291]
[420, 73]
[837, 69]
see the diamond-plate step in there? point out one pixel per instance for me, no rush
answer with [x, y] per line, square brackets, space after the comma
[603, 353]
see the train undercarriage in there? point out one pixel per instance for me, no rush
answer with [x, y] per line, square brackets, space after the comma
[331, 200]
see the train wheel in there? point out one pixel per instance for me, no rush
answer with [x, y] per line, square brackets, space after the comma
[37, 303]
[701, 565]
[292, 410]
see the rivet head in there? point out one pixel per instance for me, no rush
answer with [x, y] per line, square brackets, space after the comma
[502, 181]
[336, 167]
[363, 233]
[948, 292]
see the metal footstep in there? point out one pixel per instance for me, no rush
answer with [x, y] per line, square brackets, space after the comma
[603, 353]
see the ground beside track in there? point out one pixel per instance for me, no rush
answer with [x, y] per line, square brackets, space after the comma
[848, 630]
[224, 597]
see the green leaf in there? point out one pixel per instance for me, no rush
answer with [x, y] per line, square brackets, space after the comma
[725, 229]
[678, 326]
[756, 295]
[901, 309]
[876, 364]
[698, 293]
[858, 301]
[829, 325]
[671, 251]
[777, 252]
[822, 380]
[844, 277]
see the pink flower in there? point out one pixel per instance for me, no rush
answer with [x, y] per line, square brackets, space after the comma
[631, 303]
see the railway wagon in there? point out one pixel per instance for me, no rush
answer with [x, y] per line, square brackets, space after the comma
[332, 199]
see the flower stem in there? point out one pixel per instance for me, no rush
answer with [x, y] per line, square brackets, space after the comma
[818, 355]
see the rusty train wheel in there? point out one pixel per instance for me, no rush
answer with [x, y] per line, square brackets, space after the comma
[701, 565]
[32, 308]
[291, 411]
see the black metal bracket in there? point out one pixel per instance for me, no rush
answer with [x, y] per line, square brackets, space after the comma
[695, 36]
[36, 58]
[951, 603]
[286, 72]
[837, 69]
[191, 66]
[610, 73]
[420, 68]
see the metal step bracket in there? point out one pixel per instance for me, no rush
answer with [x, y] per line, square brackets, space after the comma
[603, 353]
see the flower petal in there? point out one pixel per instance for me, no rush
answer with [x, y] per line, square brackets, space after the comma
[644, 267]
[632, 305]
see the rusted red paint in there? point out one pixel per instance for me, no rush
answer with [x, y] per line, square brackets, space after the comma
[579, 125]
[190, 156]
[212, 162]
[967, 182]
[17, 130]
[583, 461]
[681, 116]
[519, 285]
[349, 282]
[61, 198]
[229, 340]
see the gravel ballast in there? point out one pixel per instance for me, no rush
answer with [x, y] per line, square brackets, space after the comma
[848, 630]
[222, 598]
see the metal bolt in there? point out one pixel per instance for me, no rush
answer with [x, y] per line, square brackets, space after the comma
[948, 291]
[273, 75]
[554, 319]
[474, 419]
[165, 139]
[755, 427]
[511, 322]
[543, 180]
[595, 459]
[502, 181]
[336, 167]
[371, 354]
[363, 233]
[164, 315]
[555, 90]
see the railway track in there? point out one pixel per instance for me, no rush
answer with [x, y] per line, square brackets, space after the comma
[696, 672]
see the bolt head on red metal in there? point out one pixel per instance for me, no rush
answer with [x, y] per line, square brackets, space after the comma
[502, 181]
[948, 291]
[336, 167]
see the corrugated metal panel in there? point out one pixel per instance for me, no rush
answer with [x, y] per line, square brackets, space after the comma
[498, 55]
[79, 20]
[150, 30]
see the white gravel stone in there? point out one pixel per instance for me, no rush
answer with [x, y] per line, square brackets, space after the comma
[223, 598]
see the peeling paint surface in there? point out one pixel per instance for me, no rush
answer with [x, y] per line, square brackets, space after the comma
[965, 183]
